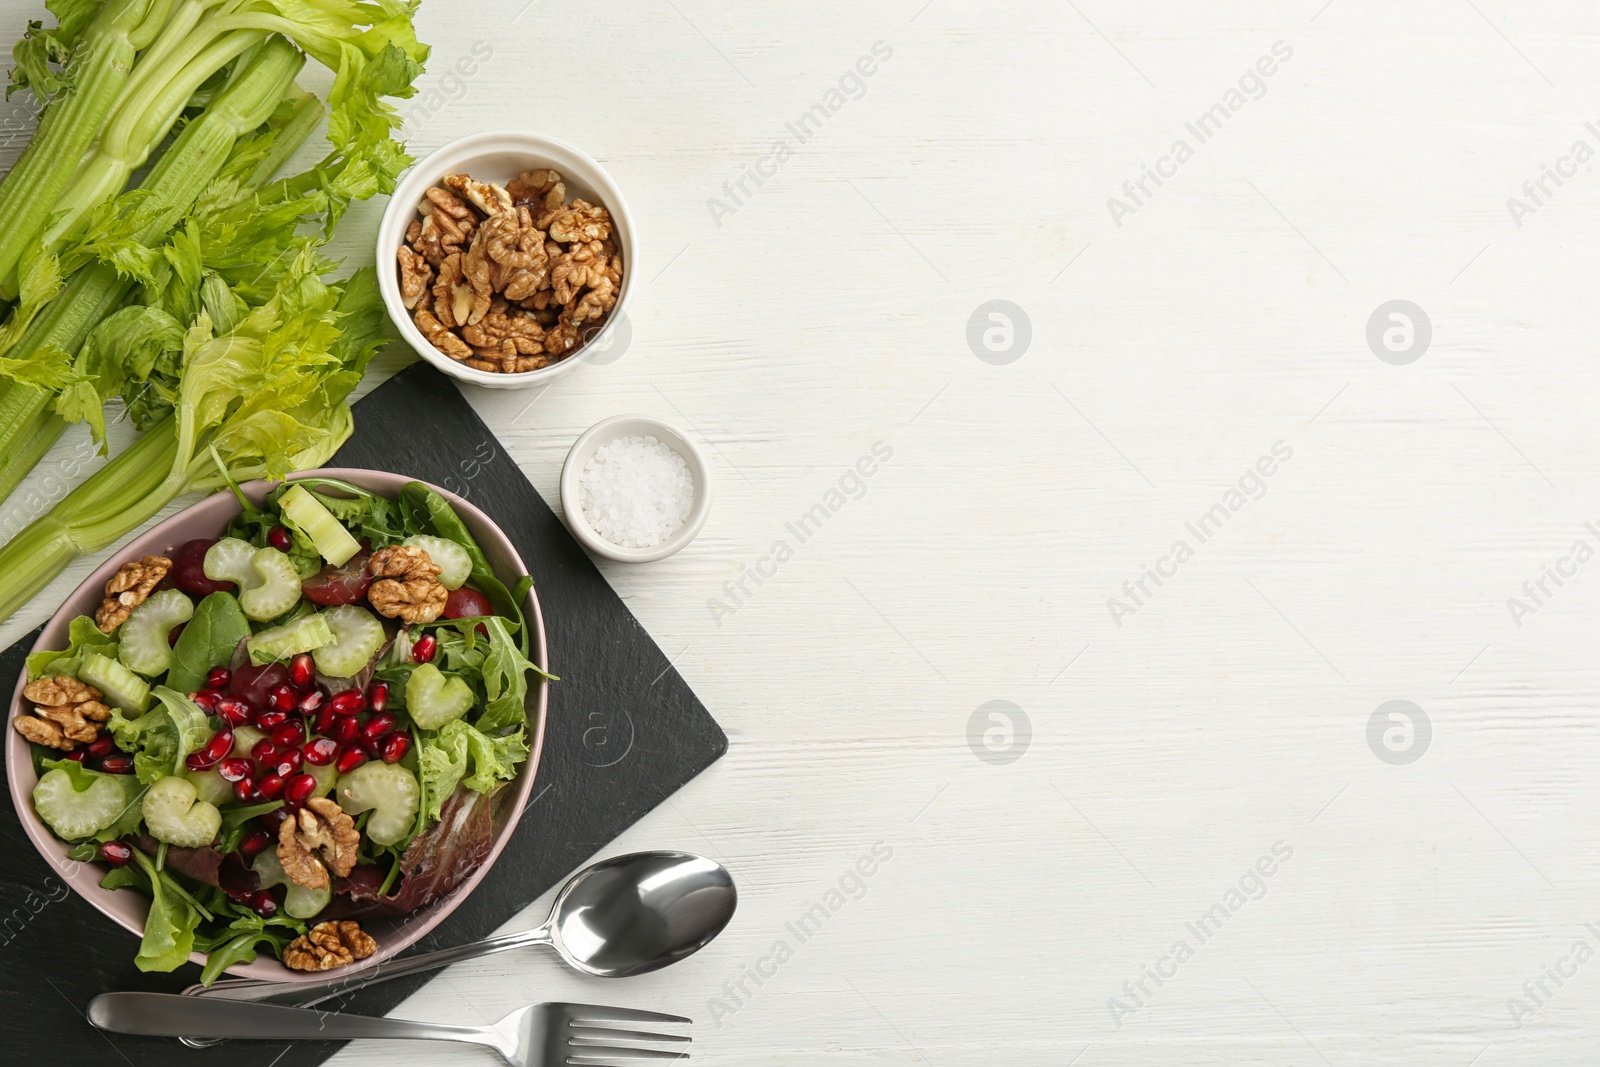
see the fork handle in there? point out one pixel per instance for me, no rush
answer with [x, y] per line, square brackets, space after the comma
[174, 1015]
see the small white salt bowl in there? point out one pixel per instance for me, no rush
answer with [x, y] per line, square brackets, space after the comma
[499, 156]
[612, 429]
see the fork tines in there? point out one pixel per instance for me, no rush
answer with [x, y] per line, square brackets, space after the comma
[590, 1014]
[591, 1041]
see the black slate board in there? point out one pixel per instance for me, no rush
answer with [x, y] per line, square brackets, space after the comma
[624, 732]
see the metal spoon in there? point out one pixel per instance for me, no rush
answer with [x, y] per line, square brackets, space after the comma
[623, 916]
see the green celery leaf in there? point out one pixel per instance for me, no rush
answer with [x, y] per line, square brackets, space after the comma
[126, 347]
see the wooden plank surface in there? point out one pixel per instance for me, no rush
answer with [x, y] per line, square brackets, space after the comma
[1230, 712]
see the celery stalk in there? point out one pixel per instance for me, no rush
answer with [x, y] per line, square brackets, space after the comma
[69, 126]
[41, 432]
[126, 143]
[182, 174]
[115, 499]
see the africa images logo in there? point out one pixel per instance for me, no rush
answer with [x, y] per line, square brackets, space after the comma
[1252, 85]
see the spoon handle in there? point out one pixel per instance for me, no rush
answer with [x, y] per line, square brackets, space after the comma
[305, 994]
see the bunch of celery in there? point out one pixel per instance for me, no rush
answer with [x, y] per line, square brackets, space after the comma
[197, 297]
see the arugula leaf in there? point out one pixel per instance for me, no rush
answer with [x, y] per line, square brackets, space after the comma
[208, 641]
[82, 635]
[505, 679]
[241, 949]
[125, 878]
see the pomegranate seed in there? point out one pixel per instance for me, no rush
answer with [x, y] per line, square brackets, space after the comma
[302, 671]
[325, 721]
[269, 786]
[270, 719]
[288, 762]
[348, 702]
[278, 537]
[233, 712]
[379, 726]
[220, 745]
[283, 698]
[218, 678]
[263, 903]
[117, 764]
[378, 696]
[115, 853]
[345, 729]
[77, 755]
[320, 751]
[207, 700]
[254, 842]
[395, 747]
[423, 650]
[235, 769]
[272, 820]
[351, 759]
[311, 702]
[264, 751]
[102, 746]
[298, 789]
[245, 790]
[289, 735]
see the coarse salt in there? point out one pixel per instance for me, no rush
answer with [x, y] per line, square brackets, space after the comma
[636, 492]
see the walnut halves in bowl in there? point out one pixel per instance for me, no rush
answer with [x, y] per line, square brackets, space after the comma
[509, 279]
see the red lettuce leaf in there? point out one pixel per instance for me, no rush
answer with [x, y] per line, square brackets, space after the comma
[436, 862]
[204, 865]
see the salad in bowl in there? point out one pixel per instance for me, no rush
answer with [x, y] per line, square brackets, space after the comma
[290, 735]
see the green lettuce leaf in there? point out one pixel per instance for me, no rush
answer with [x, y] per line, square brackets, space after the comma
[82, 635]
[161, 737]
[169, 929]
[460, 754]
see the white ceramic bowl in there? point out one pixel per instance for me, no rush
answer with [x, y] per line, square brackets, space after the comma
[609, 430]
[499, 156]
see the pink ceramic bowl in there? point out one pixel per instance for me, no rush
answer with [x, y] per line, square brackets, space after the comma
[208, 519]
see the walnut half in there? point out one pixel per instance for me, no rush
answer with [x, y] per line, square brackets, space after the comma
[329, 945]
[128, 588]
[67, 713]
[320, 837]
[408, 585]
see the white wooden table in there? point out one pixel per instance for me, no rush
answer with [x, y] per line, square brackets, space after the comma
[1204, 728]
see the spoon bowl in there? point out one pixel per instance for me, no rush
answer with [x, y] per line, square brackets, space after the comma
[638, 913]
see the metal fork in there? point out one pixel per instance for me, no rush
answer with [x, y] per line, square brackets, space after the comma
[540, 1035]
